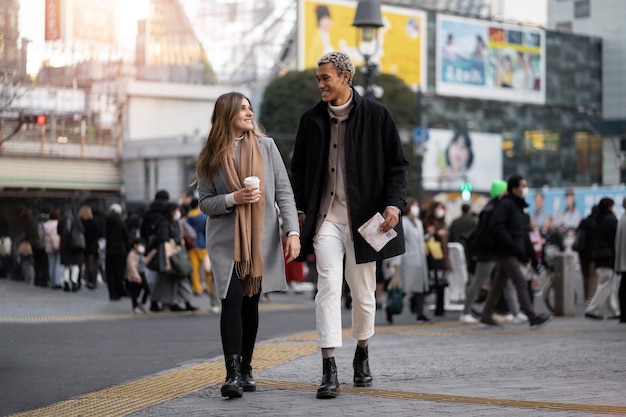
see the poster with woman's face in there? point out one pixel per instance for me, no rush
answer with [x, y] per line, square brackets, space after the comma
[454, 157]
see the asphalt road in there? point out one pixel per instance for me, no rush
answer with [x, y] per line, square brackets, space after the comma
[44, 363]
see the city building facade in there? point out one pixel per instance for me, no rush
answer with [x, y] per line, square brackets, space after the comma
[124, 130]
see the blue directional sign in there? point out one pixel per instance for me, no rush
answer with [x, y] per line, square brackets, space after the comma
[419, 135]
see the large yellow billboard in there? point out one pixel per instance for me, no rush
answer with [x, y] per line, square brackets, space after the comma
[325, 26]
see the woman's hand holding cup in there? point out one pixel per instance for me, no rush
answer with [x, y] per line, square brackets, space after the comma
[251, 193]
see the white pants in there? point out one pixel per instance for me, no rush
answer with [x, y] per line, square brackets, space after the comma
[331, 244]
[605, 293]
[71, 274]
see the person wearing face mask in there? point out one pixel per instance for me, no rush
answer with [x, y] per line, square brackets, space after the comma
[136, 274]
[413, 269]
[435, 227]
[509, 229]
[171, 290]
[482, 248]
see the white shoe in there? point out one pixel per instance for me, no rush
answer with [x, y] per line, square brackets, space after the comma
[215, 309]
[499, 318]
[520, 318]
[468, 319]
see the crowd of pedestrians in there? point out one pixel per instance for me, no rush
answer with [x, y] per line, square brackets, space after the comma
[80, 246]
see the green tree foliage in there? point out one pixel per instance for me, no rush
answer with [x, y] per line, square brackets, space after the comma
[397, 97]
[285, 99]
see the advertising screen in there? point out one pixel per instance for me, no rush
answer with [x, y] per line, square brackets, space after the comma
[455, 157]
[490, 60]
[326, 26]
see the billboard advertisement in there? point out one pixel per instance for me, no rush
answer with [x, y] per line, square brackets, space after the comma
[325, 26]
[80, 20]
[490, 60]
[567, 206]
[52, 30]
[94, 20]
[454, 157]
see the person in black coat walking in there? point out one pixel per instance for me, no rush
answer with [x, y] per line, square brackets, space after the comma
[603, 254]
[92, 234]
[72, 248]
[509, 229]
[116, 235]
[585, 256]
[347, 165]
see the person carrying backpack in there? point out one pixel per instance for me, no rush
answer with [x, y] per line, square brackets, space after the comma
[509, 229]
[481, 246]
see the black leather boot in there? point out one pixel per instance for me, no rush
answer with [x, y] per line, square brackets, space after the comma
[330, 385]
[247, 380]
[232, 387]
[361, 365]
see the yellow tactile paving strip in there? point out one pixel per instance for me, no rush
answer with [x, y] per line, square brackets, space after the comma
[137, 395]
[418, 396]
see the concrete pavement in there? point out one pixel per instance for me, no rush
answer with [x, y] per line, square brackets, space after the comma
[572, 367]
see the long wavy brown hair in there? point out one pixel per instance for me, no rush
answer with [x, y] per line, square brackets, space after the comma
[222, 134]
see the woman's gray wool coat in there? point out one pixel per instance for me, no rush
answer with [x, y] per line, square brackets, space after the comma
[220, 227]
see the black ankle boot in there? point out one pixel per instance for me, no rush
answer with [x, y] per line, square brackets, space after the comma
[247, 380]
[232, 387]
[362, 374]
[330, 385]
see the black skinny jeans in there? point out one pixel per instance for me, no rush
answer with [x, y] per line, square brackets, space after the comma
[239, 321]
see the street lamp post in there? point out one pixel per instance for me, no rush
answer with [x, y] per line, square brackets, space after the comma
[367, 20]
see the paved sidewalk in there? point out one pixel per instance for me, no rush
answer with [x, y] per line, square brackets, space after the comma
[572, 367]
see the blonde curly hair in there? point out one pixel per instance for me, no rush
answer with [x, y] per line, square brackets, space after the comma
[341, 61]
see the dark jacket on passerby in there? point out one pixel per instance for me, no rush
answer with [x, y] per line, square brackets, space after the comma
[604, 239]
[461, 225]
[375, 171]
[116, 235]
[509, 228]
[149, 222]
[92, 234]
[69, 254]
[587, 225]
[480, 241]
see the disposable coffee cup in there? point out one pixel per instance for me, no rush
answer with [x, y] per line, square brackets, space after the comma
[252, 182]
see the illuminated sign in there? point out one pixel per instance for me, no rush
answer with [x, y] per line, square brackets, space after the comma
[489, 60]
[326, 26]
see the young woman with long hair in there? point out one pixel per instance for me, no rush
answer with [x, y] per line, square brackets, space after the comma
[242, 231]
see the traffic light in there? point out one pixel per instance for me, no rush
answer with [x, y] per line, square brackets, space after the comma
[466, 191]
[39, 119]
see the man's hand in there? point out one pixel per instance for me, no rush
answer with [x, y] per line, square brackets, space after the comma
[292, 248]
[391, 217]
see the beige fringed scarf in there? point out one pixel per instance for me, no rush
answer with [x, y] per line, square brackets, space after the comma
[249, 220]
